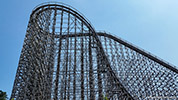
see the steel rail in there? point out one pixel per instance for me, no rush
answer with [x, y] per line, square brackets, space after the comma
[69, 9]
[150, 56]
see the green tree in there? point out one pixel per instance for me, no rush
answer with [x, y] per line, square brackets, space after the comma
[105, 98]
[3, 95]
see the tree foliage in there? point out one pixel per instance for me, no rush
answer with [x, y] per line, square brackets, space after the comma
[3, 95]
[105, 97]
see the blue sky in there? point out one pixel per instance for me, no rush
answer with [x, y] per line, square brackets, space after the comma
[149, 24]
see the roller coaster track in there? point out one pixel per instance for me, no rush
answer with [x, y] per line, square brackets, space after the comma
[64, 58]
